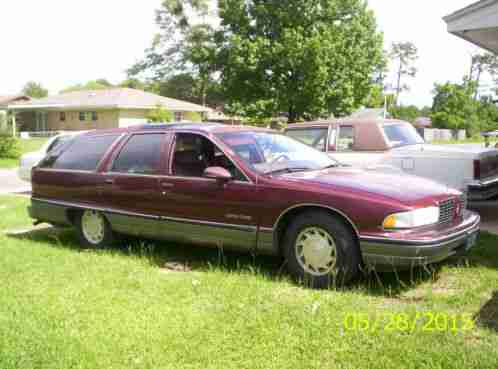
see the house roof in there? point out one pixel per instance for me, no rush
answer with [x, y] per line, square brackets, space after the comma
[114, 98]
[8, 99]
[477, 23]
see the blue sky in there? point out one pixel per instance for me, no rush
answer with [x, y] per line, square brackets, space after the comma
[62, 42]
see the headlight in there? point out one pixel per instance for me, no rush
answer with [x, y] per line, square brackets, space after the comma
[412, 219]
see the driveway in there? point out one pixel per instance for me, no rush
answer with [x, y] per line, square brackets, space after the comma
[10, 182]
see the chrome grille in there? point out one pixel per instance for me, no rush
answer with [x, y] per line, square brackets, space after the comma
[463, 201]
[446, 211]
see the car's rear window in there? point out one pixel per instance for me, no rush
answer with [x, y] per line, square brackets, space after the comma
[82, 153]
[314, 137]
[402, 134]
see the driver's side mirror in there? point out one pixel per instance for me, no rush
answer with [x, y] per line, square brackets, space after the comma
[218, 173]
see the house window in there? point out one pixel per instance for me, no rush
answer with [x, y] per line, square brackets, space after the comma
[82, 116]
[95, 117]
[178, 116]
[62, 116]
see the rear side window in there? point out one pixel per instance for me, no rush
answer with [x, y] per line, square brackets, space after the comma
[314, 137]
[83, 153]
[345, 141]
[140, 155]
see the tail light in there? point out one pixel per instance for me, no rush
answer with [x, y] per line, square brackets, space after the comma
[477, 169]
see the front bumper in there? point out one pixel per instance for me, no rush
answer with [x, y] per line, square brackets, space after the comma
[420, 249]
[483, 190]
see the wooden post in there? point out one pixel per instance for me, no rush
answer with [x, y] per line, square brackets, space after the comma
[14, 124]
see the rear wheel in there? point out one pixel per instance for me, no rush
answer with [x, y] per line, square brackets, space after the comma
[321, 250]
[93, 229]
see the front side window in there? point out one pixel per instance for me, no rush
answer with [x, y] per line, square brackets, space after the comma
[82, 153]
[82, 116]
[345, 140]
[140, 155]
[95, 116]
[178, 116]
[194, 153]
[62, 116]
[270, 152]
[314, 137]
[402, 134]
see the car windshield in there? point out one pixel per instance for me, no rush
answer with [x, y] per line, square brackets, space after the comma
[271, 152]
[402, 134]
[59, 142]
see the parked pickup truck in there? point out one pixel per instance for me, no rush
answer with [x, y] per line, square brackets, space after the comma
[358, 142]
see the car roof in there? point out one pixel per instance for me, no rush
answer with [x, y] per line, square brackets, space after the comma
[207, 127]
[347, 120]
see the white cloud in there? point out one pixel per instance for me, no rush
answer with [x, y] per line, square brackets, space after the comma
[61, 42]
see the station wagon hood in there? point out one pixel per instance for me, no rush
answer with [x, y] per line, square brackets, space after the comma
[402, 187]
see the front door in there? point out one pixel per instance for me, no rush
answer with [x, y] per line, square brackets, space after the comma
[205, 210]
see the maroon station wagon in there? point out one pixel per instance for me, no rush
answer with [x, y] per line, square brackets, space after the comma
[248, 189]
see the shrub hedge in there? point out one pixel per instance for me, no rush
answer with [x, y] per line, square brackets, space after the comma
[9, 146]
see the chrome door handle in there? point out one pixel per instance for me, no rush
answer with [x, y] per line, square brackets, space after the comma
[109, 181]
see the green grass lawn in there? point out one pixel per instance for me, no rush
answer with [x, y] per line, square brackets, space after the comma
[33, 144]
[64, 307]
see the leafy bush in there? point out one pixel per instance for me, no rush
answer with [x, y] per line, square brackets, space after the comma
[192, 116]
[159, 115]
[9, 147]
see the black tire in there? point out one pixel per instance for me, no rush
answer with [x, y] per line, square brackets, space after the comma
[107, 238]
[347, 253]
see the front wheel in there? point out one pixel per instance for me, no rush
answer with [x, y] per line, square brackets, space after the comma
[94, 230]
[321, 250]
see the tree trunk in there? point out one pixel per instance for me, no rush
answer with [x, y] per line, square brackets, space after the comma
[478, 79]
[292, 115]
[398, 86]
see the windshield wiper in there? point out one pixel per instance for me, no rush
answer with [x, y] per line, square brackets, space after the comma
[288, 170]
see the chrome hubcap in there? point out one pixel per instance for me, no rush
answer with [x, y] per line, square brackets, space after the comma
[316, 251]
[93, 226]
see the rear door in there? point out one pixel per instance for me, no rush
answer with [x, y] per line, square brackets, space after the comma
[69, 173]
[131, 184]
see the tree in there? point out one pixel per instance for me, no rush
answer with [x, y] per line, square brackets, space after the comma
[302, 57]
[482, 63]
[35, 90]
[487, 112]
[454, 107]
[136, 83]
[99, 84]
[184, 86]
[159, 115]
[404, 54]
[407, 113]
[185, 45]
